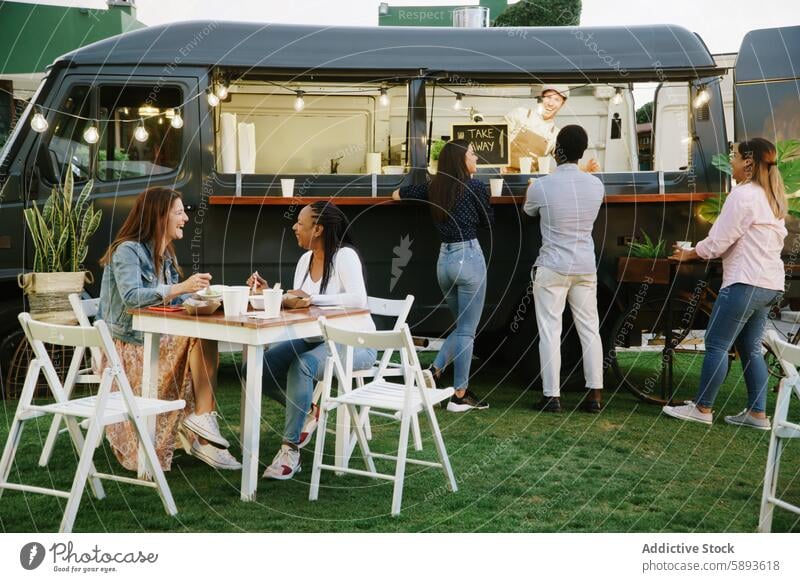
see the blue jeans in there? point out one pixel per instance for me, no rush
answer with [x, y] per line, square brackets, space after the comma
[461, 271]
[738, 316]
[298, 365]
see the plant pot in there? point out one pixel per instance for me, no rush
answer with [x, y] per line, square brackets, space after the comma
[48, 294]
[639, 270]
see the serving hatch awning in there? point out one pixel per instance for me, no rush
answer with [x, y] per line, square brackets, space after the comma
[567, 54]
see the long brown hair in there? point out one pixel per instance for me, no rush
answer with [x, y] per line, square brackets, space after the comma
[765, 173]
[451, 176]
[147, 223]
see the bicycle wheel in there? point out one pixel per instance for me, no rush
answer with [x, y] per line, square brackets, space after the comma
[637, 354]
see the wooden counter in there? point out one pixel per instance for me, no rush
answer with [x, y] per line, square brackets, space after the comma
[369, 201]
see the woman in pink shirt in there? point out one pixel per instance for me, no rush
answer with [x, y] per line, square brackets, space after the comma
[748, 235]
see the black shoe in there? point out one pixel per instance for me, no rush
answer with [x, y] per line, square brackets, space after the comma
[549, 404]
[467, 402]
[592, 405]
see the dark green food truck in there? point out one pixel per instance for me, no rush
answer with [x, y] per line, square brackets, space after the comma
[224, 111]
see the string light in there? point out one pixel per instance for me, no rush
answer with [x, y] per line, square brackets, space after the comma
[39, 123]
[177, 120]
[617, 98]
[140, 133]
[221, 90]
[299, 103]
[212, 98]
[702, 97]
[384, 98]
[91, 135]
[458, 102]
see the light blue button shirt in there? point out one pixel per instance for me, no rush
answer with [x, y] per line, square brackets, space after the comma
[568, 201]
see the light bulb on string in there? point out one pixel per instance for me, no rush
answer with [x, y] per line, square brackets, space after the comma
[299, 103]
[213, 100]
[39, 123]
[91, 135]
[177, 120]
[617, 98]
[384, 98]
[458, 102]
[140, 134]
[702, 97]
[221, 90]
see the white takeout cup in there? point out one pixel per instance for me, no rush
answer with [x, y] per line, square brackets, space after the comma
[234, 300]
[525, 163]
[287, 187]
[496, 186]
[272, 302]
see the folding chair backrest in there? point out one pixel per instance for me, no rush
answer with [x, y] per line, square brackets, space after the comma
[74, 336]
[398, 308]
[788, 354]
[84, 309]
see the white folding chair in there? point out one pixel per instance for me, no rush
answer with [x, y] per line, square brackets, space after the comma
[789, 357]
[409, 398]
[105, 408]
[84, 309]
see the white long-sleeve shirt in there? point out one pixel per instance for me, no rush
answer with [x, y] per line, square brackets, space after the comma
[345, 285]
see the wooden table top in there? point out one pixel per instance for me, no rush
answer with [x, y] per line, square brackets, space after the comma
[287, 316]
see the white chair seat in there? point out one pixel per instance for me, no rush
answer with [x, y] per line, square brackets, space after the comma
[115, 408]
[388, 396]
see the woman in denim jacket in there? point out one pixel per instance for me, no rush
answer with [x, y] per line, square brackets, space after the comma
[140, 270]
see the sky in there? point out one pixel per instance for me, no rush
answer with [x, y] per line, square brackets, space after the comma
[721, 23]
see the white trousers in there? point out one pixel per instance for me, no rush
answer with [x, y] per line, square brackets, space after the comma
[551, 291]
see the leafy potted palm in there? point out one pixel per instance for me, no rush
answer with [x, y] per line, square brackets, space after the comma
[60, 232]
[645, 263]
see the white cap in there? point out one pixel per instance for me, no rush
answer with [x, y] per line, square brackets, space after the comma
[562, 90]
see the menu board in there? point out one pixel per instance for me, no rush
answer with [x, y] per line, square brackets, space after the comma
[489, 141]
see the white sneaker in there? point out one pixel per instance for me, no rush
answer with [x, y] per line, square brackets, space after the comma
[206, 426]
[285, 464]
[688, 411]
[744, 419]
[309, 426]
[214, 456]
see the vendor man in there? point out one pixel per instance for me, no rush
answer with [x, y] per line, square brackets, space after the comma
[533, 132]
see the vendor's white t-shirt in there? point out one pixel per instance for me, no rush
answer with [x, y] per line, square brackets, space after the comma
[345, 285]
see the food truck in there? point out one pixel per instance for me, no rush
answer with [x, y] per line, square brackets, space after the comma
[223, 112]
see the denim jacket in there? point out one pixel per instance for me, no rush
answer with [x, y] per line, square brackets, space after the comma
[130, 281]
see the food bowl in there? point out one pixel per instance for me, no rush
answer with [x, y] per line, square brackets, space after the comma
[257, 302]
[205, 307]
[210, 292]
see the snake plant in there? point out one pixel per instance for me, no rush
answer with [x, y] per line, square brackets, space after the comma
[61, 230]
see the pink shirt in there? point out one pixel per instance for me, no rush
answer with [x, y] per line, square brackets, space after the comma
[749, 239]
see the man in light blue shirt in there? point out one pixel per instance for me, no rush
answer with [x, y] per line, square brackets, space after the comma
[567, 201]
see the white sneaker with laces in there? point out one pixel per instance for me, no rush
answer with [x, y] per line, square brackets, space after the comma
[745, 419]
[689, 411]
[214, 456]
[285, 464]
[206, 426]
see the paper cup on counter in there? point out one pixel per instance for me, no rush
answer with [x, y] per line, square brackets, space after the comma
[235, 299]
[272, 302]
[525, 164]
[373, 163]
[287, 187]
[544, 165]
[496, 186]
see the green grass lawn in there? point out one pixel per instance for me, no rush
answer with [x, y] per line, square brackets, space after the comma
[627, 469]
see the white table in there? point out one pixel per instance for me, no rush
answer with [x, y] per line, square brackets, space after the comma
[253, 334]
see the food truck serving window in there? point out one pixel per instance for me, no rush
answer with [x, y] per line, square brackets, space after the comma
[265, 128]
[606, 112]
[123, 153]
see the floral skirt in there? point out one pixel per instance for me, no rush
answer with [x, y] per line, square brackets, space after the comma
[174, 382]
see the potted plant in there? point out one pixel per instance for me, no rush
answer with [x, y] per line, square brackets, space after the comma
[60, 232]
[646, 262]
[436, 149]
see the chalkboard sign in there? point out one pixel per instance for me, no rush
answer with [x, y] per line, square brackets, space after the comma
[489, 141]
